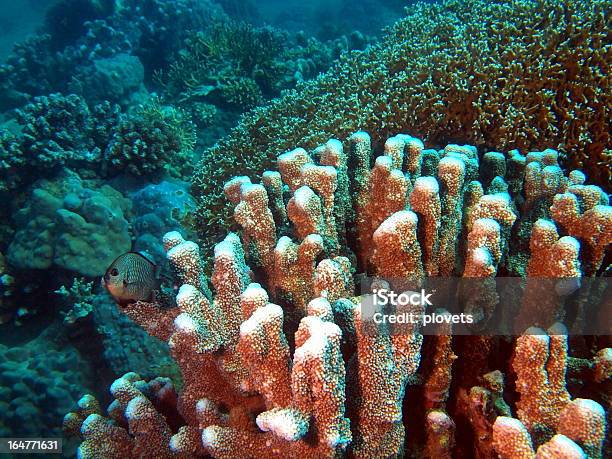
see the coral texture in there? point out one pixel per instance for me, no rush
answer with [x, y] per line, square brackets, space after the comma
[237, 65]
[63, 131]
[152, 139]
[36, 389]
[521, 74]
[157, 209]
[279, 359]
[54, 131]
[70, 226]
[137, 34]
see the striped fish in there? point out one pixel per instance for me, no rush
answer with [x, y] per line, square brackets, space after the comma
[131, 277]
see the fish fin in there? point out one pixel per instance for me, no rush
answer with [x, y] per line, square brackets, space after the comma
[147, 256]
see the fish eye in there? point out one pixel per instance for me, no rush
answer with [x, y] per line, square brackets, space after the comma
[114, 272]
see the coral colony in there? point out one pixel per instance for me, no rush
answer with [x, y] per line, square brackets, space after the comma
[372, 229]
[278, 361]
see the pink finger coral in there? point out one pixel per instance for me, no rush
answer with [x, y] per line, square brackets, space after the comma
[279, 357]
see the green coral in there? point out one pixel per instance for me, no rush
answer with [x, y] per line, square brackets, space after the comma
[498, 75]
[203, 113]
[231, 55]
[153, 139]
[79, 297]
[54, 131]
[226, 50]
[242, 93]
[68, 224]
[11, 160]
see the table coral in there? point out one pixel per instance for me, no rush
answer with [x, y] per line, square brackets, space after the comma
[279, 357]
[520, 74]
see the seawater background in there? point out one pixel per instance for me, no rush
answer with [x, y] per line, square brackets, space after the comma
[20, 18]
[46, 365]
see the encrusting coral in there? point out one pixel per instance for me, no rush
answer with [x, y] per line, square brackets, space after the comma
[522, 74]
[279, 359]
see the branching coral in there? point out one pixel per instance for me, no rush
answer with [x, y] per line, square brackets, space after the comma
[153, 139]
[58, 130]
[55, 131]
[79, 298]
[520, 74]
[281, 358]
[227, 51]
[158, 28]
[241, 92]
[150, 31]
[544, 406]
[237, 65]
[11, 159]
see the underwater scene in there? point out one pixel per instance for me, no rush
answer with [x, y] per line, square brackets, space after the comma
[304, 229]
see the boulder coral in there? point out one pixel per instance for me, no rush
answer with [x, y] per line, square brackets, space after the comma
[495, 74]
[36, 388]
[279, 359]
[70, 226]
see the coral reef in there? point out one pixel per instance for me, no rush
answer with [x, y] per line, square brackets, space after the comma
[54, 131]
[281, 360]
[478, 72]
[7, 284]
[79, 296]
[118, 79]
[66, 20]
[157, 209]
[238, 66]
[158, 27]
[36, 388]
[544, 404]
[68, 225]
[63, 131]
[155, 138]
[10, 160]
[148, 31]
[127, 347]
